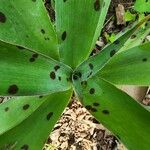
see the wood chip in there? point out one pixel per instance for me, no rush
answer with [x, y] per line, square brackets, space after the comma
[77, 131]
[120, 14]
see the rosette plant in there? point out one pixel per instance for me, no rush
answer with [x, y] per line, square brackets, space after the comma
[42, 63]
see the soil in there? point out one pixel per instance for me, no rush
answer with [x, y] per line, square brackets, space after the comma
[78, 130]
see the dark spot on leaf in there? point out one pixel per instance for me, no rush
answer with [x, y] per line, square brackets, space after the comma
[144, 59]
[97, 5]
[32, 59]
[93, 109]
[13, 89]
[20, 47]
[52, 75]
[95, 104]
[26, 106]
[133, 36]
[116, 42]
[91, 66]
[146, 24]
[112, 53]
[64, 35]
[41, 96]
[88, 107]
[59, 78]
[77, 75]
[6, 109]
[84, 83]
[144, 41]
[46, 38]
[33, 0]
[25, 147]
[64, 0]
[56, 67]
[68, 79]
[42, 31]
[92, 91]
[2, 18]
[106, 112]
[35, 55]
[49, 115]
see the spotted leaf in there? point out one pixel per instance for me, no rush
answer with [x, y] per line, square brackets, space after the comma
[117, 111]
[15, 110]
[78, 23]
[138, 38]
[95, 63]
[34, 130]
[130, 67]
[25, 72]
[26, 24]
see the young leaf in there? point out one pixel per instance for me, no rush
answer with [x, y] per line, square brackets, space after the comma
[142, 5]
[33, 132]
[117, 111]
[26, 23]
[130, 67]
[110, 38]
[95, 63]
[25, 72]
[78, 24]
[129, 16]
[16, 110]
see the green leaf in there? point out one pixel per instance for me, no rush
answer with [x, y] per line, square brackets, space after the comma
[129, 16]
[137, 38]
[15, 110]
[141, 16]
[26, 23]
[78, 24]
[33, 132]
[142, 5]
[110, 38]
[117, 111]
[130, 67]
[95, 63]
[25, 72]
